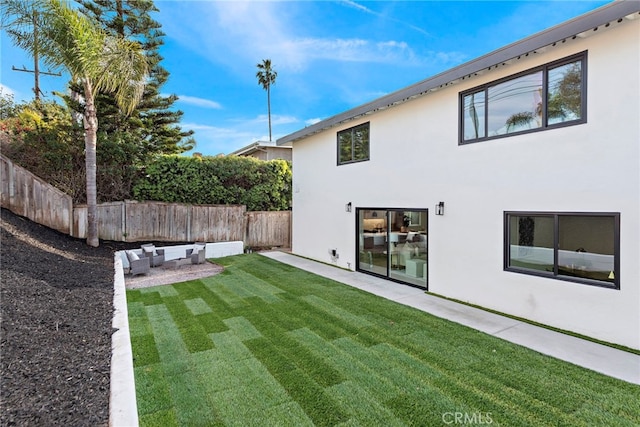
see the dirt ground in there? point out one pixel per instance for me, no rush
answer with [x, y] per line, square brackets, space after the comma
[56, 308]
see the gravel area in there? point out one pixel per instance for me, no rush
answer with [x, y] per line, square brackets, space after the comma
[56, 308]
[163, 276]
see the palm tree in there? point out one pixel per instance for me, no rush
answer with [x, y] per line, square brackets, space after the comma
[98, 62]
[267, 77]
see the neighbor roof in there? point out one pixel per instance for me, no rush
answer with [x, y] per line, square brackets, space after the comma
[577, 27]
[251, 148]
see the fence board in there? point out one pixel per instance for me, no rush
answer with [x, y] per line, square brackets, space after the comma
[267, 229]
[111, 221]
[29, 196]
[217, 223]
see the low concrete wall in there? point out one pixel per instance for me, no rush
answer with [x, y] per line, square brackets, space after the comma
[123, 409]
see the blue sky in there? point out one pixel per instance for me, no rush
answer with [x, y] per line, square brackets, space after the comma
[330, 56]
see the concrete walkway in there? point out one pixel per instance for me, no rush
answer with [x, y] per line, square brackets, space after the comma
[607, 360]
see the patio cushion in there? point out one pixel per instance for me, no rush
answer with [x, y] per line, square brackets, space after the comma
[149, 249]
[132, 256]
[156, 255]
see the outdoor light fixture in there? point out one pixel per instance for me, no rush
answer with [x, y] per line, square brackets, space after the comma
[440, 208]
[347, 207]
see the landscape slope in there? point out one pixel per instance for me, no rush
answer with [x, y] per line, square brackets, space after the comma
[56, 308]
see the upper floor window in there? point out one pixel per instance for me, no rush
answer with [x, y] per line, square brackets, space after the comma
[548, 96]
[578, 247]
[353, 144]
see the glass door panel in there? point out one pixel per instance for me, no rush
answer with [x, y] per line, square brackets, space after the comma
[372, 244]
[393, 244]
[408, 237]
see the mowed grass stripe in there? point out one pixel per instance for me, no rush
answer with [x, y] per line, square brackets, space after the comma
[405, 378]
[242, 328]
[321, 353]
[197, 306]
[194, 335]
[239, 390]
[224, 292]
[556, 383]
[153, 379]
[253, 286]
[183, 382]
[144, 346]
[276, 333]
[311, 397]
[363, 408]
[332, 310]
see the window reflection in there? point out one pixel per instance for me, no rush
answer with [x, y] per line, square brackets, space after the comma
[576, 247]
[586, 247]
[515, 105]
[353, 144]
[474, 116]
[531, 242]
[565, 93]
[393, 243]
[550, 95]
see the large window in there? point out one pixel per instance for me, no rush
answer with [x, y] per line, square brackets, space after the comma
[580, 247]
[353, 144]
[549, 96]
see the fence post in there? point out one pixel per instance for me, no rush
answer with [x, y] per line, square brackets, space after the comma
[189, 216]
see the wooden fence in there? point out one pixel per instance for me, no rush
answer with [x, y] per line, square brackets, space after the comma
[132, 221]
[25, 194]
[263, 229]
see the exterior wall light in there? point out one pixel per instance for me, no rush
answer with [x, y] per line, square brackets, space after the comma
[347, 207]
[440, 208]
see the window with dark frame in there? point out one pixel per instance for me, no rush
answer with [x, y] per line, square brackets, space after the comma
[353, 144]
[545, 97]
[576, 247]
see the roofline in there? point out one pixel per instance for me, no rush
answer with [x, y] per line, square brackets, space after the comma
[590, 21]
[254, 146]
[244, 149]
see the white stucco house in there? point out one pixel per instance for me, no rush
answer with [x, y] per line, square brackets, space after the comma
[511, 181]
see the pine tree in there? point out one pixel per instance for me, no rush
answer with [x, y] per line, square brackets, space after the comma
[153, 127]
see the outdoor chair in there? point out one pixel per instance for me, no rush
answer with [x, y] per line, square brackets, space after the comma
[138, 265]
[197, 254]
[156, 256]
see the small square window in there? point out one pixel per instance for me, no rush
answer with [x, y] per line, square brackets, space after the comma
[353, 144]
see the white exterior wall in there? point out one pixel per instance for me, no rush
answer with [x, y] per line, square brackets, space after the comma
[415, 162]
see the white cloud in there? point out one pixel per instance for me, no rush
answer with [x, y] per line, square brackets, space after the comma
[199, 102]
[215, 139]
[197, 126]
[6, 90]
[358, 6]
[365, 9]
[313, 121]
[275, 119]
[247, 32]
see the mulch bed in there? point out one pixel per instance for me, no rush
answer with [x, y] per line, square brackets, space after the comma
[56, 308]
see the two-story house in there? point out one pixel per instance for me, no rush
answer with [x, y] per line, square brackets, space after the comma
[511, 181]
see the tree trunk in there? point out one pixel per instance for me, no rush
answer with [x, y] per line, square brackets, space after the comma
[90, 138]
[269, 108]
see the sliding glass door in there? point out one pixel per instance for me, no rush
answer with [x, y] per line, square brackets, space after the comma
[392, 243]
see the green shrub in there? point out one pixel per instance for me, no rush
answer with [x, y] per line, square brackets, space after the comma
[232, 180]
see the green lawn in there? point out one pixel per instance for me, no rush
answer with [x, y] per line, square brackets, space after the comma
[265, 344]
